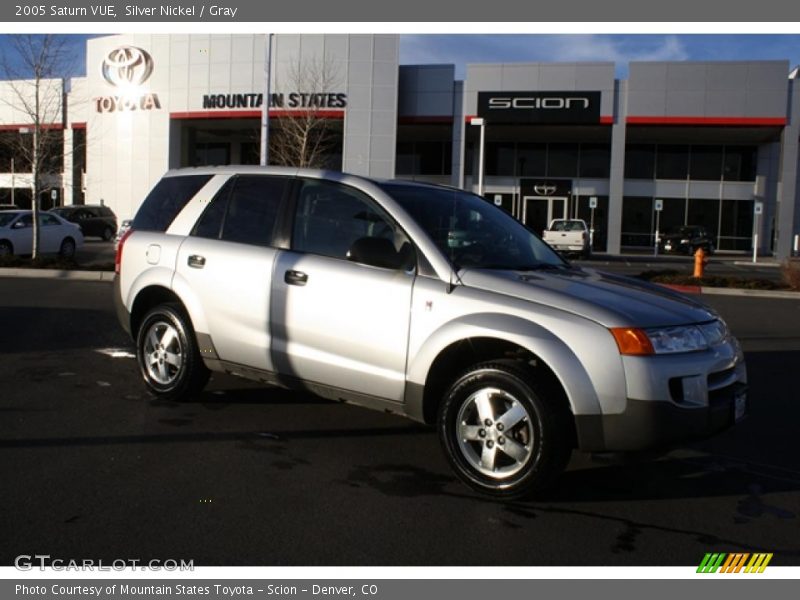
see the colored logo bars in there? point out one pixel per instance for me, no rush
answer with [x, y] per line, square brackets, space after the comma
[734, 563]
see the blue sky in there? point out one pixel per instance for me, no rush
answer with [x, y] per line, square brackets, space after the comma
[462, 49]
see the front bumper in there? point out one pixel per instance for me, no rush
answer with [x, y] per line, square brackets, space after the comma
[647, 425]
[671, 399]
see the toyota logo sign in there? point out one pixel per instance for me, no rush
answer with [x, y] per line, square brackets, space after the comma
[127, 65]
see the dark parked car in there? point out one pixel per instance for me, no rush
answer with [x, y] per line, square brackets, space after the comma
[687, 239]
[94, 220]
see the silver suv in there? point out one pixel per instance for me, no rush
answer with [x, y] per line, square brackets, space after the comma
[424, 301]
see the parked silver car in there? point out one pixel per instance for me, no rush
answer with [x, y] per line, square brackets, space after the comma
[419, 300]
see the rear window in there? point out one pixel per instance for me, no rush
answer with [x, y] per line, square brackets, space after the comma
[166, 200]
[567, 226]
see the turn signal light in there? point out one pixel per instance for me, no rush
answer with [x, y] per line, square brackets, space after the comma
[632, 341]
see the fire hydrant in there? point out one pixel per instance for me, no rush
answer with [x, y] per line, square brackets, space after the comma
[700, 261]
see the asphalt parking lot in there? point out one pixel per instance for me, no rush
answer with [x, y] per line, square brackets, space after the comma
[244, 475]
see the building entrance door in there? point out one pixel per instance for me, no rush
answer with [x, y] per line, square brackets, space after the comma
[537, 212]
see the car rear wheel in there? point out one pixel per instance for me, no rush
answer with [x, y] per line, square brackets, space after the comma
[6, 249]
[505, 433]
[67, 249]
[168, 357]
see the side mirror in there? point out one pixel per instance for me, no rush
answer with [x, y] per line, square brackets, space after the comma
[19, 225]
[379, 252]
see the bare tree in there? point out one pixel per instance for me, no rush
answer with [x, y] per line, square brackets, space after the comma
[305, 138]
[34, 70]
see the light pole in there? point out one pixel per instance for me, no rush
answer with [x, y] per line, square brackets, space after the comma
[265, 104]
[482, 124]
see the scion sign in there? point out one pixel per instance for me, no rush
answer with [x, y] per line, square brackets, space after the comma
[539, 107]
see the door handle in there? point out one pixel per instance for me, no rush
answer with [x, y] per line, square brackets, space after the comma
[295, 278]
[196, 261]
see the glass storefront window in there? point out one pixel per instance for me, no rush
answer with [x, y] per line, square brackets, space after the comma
[739, 163]
[595, 160]
[637, 221]
[640, 161]
[499, 158]
[705, 163]
[737, 225]
[672, 161]
[673, 214]
[404, 160]
[562, 160]
[704, 212]
[423, 158]
[531, 160]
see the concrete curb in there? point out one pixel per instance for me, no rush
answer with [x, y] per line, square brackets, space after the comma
[716, 291]
[58, 274]
[752, 293]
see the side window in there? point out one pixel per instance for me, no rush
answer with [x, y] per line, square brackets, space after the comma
[166, 200]
[48, 220]
[27, 220]
[331, 216]
[209, 225]
[253, 209]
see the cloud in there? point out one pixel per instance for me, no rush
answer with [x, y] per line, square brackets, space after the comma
[464, 49]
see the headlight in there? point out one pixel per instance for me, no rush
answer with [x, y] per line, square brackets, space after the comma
[715, 332]
[669, 340]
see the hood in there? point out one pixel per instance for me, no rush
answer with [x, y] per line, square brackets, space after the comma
[611, 300]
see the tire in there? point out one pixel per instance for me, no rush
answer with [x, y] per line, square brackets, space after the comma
[68, 248]
[167, 353]
[108, 234]
[504, 433]
[6, 249]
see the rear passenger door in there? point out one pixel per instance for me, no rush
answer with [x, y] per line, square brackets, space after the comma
[228, 261]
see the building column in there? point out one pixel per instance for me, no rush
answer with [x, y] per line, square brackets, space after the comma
[617, 172]
[787, 184]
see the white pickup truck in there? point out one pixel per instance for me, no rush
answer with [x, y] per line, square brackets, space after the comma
[570, 236]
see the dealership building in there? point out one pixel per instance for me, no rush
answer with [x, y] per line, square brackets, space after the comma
[675, 143]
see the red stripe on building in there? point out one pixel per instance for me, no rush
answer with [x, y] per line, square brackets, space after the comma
[29, 127]
[254, 114]
[731, 121]
[79, 125]
[604, 120]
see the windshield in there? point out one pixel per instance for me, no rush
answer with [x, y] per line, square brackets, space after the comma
[470, 231]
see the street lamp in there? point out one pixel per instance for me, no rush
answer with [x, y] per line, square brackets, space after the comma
[264, 154]
[482, 124]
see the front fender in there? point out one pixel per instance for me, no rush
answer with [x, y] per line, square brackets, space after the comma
[558, 356]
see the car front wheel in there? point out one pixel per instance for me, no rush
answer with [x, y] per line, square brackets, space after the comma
[505, 433]
[67, 249]
[167, 353]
